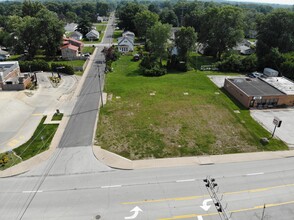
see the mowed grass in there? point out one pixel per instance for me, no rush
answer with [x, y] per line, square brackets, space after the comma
[187, 116]
[39, 142]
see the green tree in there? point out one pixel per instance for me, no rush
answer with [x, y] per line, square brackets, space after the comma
[127, 13]
[157, 37]
[185, 40]
[102, 8]
[275, 30]
[31, 8]
[84, 26]
[143, 21]
[168, 16]
[50, 31]
[28, 36]
[153, 7]
[221, 28]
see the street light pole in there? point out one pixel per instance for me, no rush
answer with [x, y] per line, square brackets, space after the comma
[101, 96]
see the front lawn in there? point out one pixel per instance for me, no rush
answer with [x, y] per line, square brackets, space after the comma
[182, 114]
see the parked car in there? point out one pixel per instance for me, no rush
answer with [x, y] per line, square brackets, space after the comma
[255, 75]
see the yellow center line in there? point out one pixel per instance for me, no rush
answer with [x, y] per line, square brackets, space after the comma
[37, 114]
[201, 196]
[234, 211]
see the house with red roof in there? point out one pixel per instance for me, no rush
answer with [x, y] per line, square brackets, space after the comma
[71, 48]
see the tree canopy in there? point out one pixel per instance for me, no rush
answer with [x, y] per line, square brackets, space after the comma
[221, 29]
[185, 40]
[144, 20]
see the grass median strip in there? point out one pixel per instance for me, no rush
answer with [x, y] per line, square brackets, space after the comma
[39, 142]
[181, 114]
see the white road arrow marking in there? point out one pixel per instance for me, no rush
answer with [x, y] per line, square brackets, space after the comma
[204, 206]
[200, 217]
[136, 211]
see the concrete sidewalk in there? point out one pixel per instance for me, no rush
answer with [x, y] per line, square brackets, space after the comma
[116, 161]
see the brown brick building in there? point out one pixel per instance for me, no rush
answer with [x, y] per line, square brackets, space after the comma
[261, 92]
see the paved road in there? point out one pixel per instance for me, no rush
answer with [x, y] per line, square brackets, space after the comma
[73, 185]
[170, 193]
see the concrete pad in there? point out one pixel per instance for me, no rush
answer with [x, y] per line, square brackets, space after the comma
[219, 80]
[285, 132]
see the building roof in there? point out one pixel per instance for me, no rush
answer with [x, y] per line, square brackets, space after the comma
[281, 83]
[71, 47]
[7, 66]
[255, 87]
[76, 33]
[70, 27]
[93, 32]
[120, 40]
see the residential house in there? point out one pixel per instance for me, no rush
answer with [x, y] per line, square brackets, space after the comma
[99, 19]
[92, 35]
[76, 35]
[129, 34]
[69, 52]
[244, 47]
[125, 44]
[74, 42]
[70, 27]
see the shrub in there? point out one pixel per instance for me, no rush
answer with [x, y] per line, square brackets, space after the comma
[67, 69]
[35, 65]
[154, 71]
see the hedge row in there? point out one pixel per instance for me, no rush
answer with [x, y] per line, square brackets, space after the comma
[41, 65]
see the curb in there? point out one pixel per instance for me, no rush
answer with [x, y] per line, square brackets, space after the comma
[118, 162]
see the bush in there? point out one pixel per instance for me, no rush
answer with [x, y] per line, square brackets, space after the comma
[238, 63]
[154, 71]
[35, 65]
[67, 69]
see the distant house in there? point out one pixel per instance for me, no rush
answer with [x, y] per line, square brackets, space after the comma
[92, 35]
[73, 42]
[76, 35]
[100, 19]
[70, 27]
[125, 44]
[129, 34]
[69, 52]
[244, 48]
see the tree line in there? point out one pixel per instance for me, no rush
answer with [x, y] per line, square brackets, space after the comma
[217, 27]
[31, 25]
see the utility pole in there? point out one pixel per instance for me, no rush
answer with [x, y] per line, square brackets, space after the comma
[263, 211]
[101, 95]
[211, 185]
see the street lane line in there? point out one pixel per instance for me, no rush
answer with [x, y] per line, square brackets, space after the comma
[234, 211]
[164, 200]
[187, 180]
[254, 174]
[34, 191]
[111, 186]
[203, 196]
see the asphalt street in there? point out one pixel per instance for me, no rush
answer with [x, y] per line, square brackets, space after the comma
[73, 185]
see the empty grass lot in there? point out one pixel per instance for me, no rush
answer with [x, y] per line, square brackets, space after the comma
[187, 116]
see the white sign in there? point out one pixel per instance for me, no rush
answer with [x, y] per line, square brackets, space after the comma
[277, 122]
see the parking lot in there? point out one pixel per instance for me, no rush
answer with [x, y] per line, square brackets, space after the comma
[21, 111]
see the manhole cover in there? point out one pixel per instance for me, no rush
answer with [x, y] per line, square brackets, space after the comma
[97, 217]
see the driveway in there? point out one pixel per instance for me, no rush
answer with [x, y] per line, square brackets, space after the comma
[285, 132]
[21, 111]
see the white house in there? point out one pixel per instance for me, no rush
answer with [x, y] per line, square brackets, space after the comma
[93, 35]
[99, 19]
[76, 35]
[70, 27]
[129, 34]
[125, 44]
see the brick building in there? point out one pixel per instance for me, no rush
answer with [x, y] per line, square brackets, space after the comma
[261, 92]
